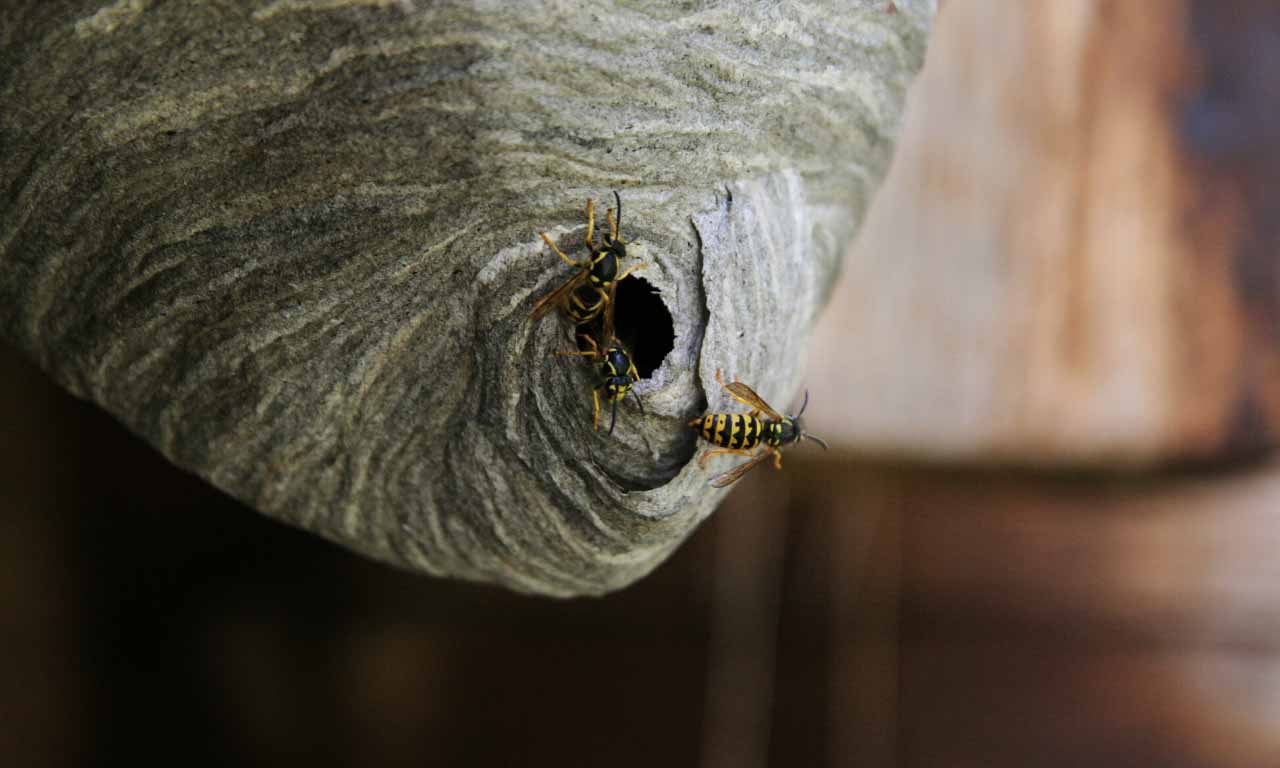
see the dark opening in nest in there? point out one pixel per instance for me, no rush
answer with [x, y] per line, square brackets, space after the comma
[643, 324]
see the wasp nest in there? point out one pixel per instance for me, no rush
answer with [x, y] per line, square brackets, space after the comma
[295, 246]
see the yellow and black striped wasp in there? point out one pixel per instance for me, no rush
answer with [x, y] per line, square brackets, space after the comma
[613, 363]
[741, 433]
[593, 286]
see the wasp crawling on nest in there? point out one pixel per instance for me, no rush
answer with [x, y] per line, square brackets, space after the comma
[741, 433]
[613, 363]
[583, 296]
[588, 300]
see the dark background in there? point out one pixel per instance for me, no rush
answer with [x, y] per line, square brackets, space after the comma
[830, 614]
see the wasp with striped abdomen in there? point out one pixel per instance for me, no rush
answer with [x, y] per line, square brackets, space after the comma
[741, 433]
[613, 363]
[586, 293]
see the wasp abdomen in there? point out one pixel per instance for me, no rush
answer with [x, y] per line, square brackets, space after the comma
[585, 304]
[732, 430]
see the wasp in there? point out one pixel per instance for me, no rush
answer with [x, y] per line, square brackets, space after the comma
[586, 293]
[741, 433]
[613, 363]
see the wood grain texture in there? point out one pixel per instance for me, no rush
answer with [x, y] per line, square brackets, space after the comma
[294, 245]
[1053, 621]
[1072, 260]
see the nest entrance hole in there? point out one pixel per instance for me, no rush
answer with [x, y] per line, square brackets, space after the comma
[643, 323]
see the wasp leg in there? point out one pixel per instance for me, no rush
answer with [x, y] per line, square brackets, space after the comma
[593, 352]
[559, 253]
[595, 416]
[591, 224]
[777, 458]
[629, 270]
[613, 225]
[702, 460]
[720, 381]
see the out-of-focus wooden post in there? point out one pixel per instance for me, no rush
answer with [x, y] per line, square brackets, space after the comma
[1066, 292]
[1072, 260]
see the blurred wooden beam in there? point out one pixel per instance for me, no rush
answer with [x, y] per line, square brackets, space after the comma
[1047, 621]
[1073, 258]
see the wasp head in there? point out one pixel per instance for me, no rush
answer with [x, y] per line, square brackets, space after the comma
[793, 431]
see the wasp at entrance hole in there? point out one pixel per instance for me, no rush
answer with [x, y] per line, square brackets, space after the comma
[614, 365]
[584, 295]
[741, 433]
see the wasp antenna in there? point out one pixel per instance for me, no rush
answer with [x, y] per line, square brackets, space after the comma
[819, 441]
[618, 200]
[803, 405]
[613, 418]
[638, 403]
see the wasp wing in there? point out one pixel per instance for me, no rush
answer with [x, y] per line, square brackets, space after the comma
[747, 396]
[733, 475]
[560, 295]
[606, 328]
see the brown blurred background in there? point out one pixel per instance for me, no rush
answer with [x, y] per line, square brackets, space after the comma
[1072, 266]
[826, 616]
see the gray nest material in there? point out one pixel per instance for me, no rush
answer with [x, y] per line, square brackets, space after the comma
[295, 245]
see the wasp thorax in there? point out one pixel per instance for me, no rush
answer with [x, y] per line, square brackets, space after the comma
[605, 267]
[789, 431]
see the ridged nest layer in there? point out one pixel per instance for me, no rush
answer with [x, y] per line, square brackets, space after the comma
[295, 247]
